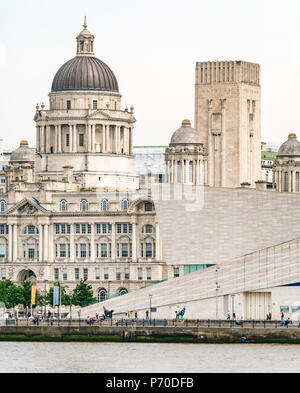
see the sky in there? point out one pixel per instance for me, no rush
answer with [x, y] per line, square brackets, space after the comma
[152, 47]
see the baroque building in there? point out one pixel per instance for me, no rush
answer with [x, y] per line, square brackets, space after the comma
[71, 210]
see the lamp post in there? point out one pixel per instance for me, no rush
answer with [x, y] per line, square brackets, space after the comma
[150, 298]
[217, 289]
[232, 299]
[45, 299]
[71, 309]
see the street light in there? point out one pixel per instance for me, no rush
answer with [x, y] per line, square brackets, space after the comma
[45, 300]
[150, 297]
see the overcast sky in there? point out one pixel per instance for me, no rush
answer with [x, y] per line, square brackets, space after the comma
[152, 47]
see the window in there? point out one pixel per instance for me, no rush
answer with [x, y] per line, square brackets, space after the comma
[2, 206]
[68, 104]
[125, 227]
[148, 207]
[85, 274]
[95, 104]
[123, 291]
[104, 205]
[118, 275]
[56, 274]
[84, 205]
[67, 140]
[31, 251]
[3, 229]
[124, 250]
[63, 206]
[148, 229]
[76, 273]
[81, 139]
[102, 295]
[65, 274]
[3, 180]
[103, 250]
[77, 228]
[97, 273]
[149, 252]
[140, 273]
[3, 274]
[176, 272]
[106, 274]
[2, 250]
[127, 274]
[62, 250]
[149, 273]
[82, 250]
[124, 204]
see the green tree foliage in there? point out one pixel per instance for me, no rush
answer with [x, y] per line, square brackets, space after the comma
[11, 294]
[65, 298]
[82, 293]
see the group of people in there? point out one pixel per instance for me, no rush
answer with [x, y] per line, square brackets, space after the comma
[284, 322]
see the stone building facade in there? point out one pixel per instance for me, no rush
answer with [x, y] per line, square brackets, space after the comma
[227, 115]
[74, 209]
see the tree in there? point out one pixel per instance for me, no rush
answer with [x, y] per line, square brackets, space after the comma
[10, 294]
[65, 298]
[82, 293]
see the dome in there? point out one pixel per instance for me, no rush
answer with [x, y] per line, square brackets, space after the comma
[185, 134]
[23, 153]
[291, 147]
[85, 73]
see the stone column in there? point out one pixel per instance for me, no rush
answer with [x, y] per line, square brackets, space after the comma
[187, 171]
[40, 243]
[130, 141]
[290, 181]
[46, 242]
[182, 171]
[56, 140]
[157, 243]
[42, 139]
[75, 138]
[293, 181]
[72, 244]
[93, 242]
[113, 241]
[134, 242]
[10, 243]
[118, 139]
[175, 171]
[15, 242]
[38, 138]
[89, 144]
[51, 245]
[48, 142]
[194, 172]
[71, 137]
[115, 148]
[107, 132]
[103, 139]
[59, 138]
[93, 138]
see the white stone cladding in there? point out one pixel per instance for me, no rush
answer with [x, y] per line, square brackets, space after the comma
[227, 116]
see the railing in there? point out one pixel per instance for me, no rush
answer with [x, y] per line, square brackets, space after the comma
[200, 323]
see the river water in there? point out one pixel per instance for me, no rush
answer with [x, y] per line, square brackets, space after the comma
[158, 358]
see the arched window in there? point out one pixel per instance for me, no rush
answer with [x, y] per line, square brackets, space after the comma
[2, 206]
[84, 206]
[102, 295]
[63, 205]
[125, 205]
[31, 230]
[104, 205]
[148, 207]
[123, 291]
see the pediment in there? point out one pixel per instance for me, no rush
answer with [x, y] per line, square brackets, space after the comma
[28, 206]
[99, 114]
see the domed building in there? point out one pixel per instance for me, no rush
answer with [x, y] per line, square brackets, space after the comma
[287, 166]
[71, 209]
[186, 157]
[85, 126]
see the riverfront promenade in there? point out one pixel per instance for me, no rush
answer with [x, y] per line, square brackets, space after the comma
[216, 332]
